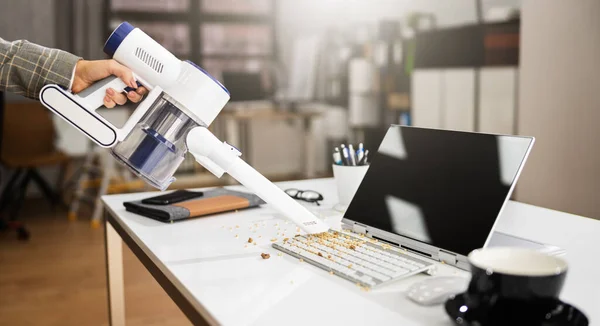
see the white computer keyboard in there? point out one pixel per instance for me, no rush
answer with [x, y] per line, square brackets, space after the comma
[357, 259]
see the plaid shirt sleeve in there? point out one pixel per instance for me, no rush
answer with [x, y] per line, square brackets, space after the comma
[26, 67]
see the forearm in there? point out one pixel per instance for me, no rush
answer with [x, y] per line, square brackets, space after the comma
[26, 67]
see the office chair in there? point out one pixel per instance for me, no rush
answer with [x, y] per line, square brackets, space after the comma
[27, 144]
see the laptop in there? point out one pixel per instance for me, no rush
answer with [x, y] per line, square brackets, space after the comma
[434, 193]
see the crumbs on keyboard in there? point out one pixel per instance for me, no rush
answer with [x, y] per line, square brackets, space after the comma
[353, 257]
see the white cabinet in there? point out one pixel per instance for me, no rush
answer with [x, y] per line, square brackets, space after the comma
[427, 98]
[458, 94]
[446, 99]
[497, 100]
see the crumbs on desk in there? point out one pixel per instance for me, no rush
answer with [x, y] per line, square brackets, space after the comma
[250, 240]
[265, 256]
[274, 239]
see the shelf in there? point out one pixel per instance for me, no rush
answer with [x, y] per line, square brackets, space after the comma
[181, 17]
[229, 56]
[236, 18]
[175, 17]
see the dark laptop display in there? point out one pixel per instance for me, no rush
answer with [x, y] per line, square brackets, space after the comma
[444, 188]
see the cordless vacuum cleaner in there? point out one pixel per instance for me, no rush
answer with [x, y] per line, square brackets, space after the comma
[182, 102]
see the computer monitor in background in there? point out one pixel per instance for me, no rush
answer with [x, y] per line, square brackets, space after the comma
[244, 86]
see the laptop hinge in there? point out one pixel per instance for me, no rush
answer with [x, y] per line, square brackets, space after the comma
[357, 228]
[447, 257]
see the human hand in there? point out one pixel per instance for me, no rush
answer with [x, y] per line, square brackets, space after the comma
[89, 72]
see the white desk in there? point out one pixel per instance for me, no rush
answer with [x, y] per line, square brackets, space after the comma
[213, 279]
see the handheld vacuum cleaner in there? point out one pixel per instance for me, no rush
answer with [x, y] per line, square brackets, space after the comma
[182, 102]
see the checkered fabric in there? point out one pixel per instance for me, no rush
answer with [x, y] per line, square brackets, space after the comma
[26, 67]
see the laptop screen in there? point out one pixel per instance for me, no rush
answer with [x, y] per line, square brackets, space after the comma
[440, 187]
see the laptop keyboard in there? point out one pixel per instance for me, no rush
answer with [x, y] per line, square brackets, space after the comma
[357, 259]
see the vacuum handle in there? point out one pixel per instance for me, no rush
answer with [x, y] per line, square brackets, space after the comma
[93, 97]
[90, 123]
[80, 110]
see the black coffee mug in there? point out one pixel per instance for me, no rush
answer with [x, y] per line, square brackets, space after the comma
[513, 286]
[515, 274]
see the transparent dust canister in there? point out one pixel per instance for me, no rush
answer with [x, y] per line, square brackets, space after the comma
[155, 147]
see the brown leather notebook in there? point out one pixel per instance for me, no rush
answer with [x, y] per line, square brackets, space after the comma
[206, 206]
[213, 201]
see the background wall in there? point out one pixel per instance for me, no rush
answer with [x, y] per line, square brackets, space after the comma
[39, 16]
[560, 104]
[306, 18]
[310, 17]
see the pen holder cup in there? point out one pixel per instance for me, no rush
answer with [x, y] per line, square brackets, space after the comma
[347, 179]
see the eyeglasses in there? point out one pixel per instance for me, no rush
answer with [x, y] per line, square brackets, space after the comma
[306, 195]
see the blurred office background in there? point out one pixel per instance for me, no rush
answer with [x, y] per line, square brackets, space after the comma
[307, 75]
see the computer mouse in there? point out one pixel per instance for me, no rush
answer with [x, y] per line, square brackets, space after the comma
[436, 290]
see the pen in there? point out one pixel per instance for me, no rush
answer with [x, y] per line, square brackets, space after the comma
[360, 152]
[337, 157]
[345, 156]
[352, 154]
[363, 160]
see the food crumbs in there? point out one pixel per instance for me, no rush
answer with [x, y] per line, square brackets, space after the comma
[274, 239]
[329, 256]
[331, 272]
[320, 255]
[265, 256]
[301, 260]
[285, 239]
[237, 226]
[279, 254]
[250, 240]
[352, 247]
